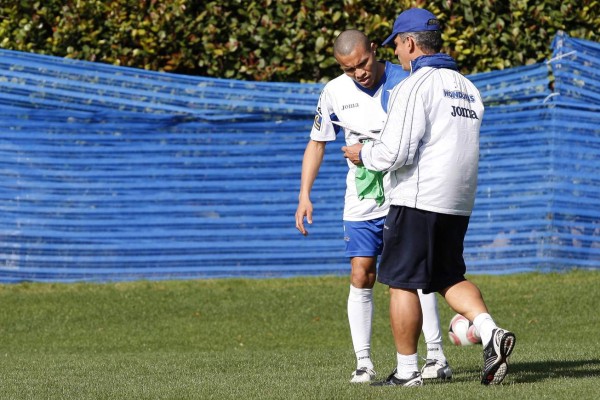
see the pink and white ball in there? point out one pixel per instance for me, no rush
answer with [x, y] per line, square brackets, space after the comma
[462, 332]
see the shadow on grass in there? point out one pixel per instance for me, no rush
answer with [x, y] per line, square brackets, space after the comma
[542, 370]
[529, 372]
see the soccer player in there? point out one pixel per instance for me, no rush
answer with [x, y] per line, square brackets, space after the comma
[430, 146]
[358, 99]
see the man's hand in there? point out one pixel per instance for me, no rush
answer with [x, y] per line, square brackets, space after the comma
[305, 209]
[352, 153]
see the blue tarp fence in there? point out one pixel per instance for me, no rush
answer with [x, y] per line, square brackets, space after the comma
[111, 174]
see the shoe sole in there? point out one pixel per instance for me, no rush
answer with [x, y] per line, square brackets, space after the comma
[407, 384]
[414, 384]
[414, 381]
[437, 378]
[366, 380]
[444, 377]
[496, 373]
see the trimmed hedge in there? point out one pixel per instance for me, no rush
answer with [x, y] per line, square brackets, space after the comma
[281, 40]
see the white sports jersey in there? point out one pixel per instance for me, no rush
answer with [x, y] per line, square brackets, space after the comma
[342, 100]
[430, 142]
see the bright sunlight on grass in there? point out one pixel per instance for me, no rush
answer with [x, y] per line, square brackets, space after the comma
[276, 339]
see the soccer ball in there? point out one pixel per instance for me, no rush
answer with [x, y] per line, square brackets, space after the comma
[462, 332]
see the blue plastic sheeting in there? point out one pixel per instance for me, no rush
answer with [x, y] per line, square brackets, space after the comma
[113, 174]
[51, 83]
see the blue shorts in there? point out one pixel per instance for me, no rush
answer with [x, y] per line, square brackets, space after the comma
[364, 238]
[423, 250]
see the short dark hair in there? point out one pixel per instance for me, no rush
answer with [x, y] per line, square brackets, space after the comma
[430, 42]
[348, 41]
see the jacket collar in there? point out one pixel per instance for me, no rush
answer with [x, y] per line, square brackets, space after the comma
[439, 60]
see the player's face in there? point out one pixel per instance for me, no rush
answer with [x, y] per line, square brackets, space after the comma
[402, 51]
[361, 66]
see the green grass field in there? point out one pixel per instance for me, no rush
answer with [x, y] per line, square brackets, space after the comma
[277, 339]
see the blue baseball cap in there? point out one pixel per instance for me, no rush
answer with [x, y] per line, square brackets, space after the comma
[413, 20]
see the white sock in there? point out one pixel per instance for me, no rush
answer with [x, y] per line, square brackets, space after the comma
[407, 365]
[435, 351]
[360, 316]
[485, 324]
[431, 326]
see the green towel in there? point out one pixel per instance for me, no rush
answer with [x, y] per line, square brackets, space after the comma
[369, 184]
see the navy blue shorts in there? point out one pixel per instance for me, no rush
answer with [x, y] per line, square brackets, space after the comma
[364, 238]
[422, 249]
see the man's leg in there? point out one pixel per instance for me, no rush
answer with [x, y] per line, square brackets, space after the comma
[465, 298]
[436, 366]
[404, 250]
[363, 244]
[406, 320]
[360, 314]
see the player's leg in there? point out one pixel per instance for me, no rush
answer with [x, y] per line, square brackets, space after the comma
[401, 268]
[465, 298]
[405, 320]
[362, 246]
[436, 366]
[361, 308]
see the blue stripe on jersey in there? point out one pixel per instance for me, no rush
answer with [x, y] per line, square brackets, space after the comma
[394, 74]
[336, 128]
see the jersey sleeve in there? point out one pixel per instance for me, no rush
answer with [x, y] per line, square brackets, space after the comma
[323, 130]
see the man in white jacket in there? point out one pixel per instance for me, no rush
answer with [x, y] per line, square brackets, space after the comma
[430, 146]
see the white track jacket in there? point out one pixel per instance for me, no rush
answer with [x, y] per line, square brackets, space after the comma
[430, 140]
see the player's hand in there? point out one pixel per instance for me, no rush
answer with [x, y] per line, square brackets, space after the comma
[305, 209]
[352, 153]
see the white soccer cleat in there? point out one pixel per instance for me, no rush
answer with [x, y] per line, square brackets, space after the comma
[363, 375]
[435, 369]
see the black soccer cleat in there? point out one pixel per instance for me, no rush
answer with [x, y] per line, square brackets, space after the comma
[392, 380]
[495, 356]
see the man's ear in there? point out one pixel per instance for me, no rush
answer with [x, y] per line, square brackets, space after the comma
[373, 47]
[412, 46]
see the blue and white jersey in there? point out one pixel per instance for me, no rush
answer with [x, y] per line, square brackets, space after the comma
[343, 100]
[430, 141]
